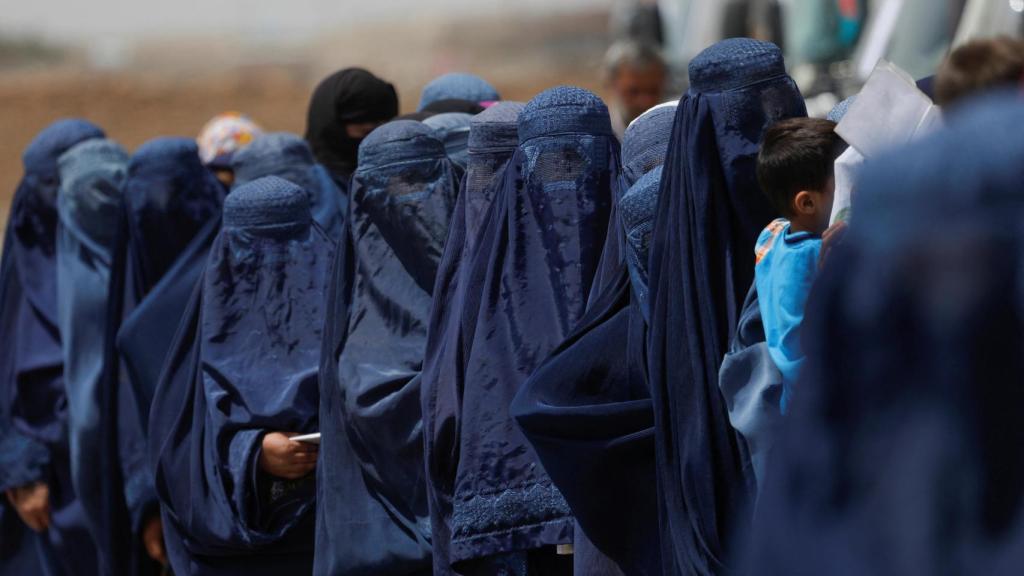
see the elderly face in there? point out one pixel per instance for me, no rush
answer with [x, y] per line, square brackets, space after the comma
[638, 89]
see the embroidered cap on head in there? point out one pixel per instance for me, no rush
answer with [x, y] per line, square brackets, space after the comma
[457, 85]
[224, 135]
[399, 141]
[496, 127]
[645, 143]
[735, 63]
[269, 204]
[563, 110]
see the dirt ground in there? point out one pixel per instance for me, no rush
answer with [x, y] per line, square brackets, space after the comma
[172, 88]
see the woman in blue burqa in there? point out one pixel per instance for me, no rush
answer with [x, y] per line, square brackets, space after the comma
[35, 459]
[528, 283]
[171, 213]
[710, 211]
[371, 491]
[587, 410]
[288, 156]
[900, 455]
[493, 138]
[237, 494]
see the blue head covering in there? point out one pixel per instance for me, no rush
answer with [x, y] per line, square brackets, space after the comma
[89, 206]
[288, 156]
[528, 285]
[33, 405]
[460, 86]
[899, 454]
[170, 196]
[839, 110]
[372, 509]
[244, 364]
[644, 146]
[452, 128]
[645, 142]
[637, 209]
[710, 211]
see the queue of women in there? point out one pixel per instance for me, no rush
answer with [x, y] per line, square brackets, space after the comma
[508, 329]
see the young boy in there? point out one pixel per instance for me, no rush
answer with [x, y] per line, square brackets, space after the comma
[794, 169]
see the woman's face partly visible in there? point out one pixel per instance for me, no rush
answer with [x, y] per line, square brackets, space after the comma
[360, 130]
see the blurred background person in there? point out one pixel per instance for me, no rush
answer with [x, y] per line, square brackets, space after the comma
[636, 77]
[220, 138]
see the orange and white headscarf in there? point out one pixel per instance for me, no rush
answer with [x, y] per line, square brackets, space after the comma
[224, 135]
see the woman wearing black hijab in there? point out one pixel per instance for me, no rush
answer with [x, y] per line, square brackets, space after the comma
[345, 107]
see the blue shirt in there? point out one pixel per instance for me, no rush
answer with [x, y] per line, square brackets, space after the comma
[784, 272]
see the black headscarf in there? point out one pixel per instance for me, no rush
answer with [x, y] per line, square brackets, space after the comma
[348, 96]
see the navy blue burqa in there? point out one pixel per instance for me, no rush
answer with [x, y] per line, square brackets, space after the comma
[244, 363]
[372, 509]
[288, 156]
[587, 411]
[89, 206]
[900, 453]
[33, 406]
[528, 284]
[171, 213]
[710, 211]
[493, 138]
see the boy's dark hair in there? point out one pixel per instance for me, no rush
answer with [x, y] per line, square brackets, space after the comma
[797, 154]
[979, 66]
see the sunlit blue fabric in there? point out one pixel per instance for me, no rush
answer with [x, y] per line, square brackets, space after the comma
[530, 277]
[493, 138]
[372, 513]
[244, 363]
[33, 405]
[898, 454]
[839, 110]
[457, 86]
[171, 211]
[288, 156]
[710, 211]
[452, 128]
[89, 208]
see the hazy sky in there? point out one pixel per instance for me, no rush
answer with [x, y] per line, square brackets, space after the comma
[85, 20]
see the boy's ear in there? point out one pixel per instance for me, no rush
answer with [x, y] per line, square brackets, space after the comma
[803, 203]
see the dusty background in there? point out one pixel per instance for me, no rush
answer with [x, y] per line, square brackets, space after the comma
[172, 86]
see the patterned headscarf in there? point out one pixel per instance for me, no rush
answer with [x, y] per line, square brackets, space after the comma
[224, 135]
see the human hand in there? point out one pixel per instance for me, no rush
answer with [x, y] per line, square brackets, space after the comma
[32, 503]
[830, 239]
[285, 458]
[153, 538]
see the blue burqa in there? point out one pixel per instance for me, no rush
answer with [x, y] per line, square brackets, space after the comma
[710, 211]
[527, 287]
[89, 207]
[900, 453]
[587, 408]
[171, 212]
[244, 363]
[493, 138]
[372, 516]
[288, 156]
[33, 405]
[452, 128]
